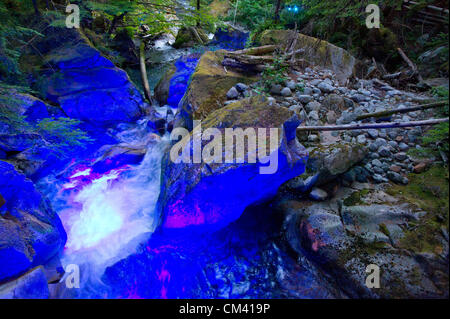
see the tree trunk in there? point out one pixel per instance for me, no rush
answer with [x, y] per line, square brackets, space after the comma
[198, 12]
[36, 8]
[401, 111]
[114, 22]
[277, 10]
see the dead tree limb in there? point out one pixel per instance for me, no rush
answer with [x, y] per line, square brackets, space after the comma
[258, 50]
[371, 126]
[409, 62]
[401, 111]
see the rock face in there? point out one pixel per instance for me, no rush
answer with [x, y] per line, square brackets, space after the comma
[345, 240]
[163, 87]
[88, 86]
[32, 285]
[189, 37]
[210, 196]
[209, 86]
[321, 53]
[30, 231]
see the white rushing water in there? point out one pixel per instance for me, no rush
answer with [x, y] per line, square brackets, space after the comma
[106, 216]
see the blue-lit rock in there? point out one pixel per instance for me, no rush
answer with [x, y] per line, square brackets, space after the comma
[31, 233]
[32, 285]
[210, 196]
[89, 87]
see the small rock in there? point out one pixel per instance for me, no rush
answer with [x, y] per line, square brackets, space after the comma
[313, 106]
[395, 168]
[291, 84]
[241, 87]
[420, 168]
[305, 99]
[318, 194]
[286, 92]
[331, 117]
[377, 178]
[397, 178]
[373, 133]
[313, 115]
[403, 147]
[361, 139]
[384, 151]
[276, 89]
[325, 87]
[400, 156]
[232, 94]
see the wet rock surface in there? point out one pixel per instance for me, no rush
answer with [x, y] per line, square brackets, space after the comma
[229, 187]
[31, 233]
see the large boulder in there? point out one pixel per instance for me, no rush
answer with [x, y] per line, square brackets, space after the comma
[327, 161]
[31, 233]
[190, 36]
[162, 89]
[344, 241]
[209, 86]
[88, 86]
[318, 52]
[210, 196]
[32, 285]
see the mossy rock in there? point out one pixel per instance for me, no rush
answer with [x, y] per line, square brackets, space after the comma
[318, 52]
[209, 85]
[163, 86]
[187, 37]
[428, 191]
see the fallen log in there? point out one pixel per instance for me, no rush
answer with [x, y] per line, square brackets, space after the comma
[371, 126]
[257, 50]
[258, 59]
[403, 110]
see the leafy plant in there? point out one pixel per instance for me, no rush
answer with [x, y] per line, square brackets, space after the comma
[274, 73]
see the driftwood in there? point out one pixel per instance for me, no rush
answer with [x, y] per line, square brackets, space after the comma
[253, 59]
[144, 77]
[257, 50]
[401, 111]
[371, 126]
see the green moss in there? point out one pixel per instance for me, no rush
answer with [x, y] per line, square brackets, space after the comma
[383, 228]
[429, 192]
[356, 198]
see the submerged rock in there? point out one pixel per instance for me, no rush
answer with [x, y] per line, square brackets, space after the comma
[210, 196]
[31, 233]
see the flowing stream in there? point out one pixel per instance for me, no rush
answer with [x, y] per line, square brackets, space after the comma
[107, 208]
